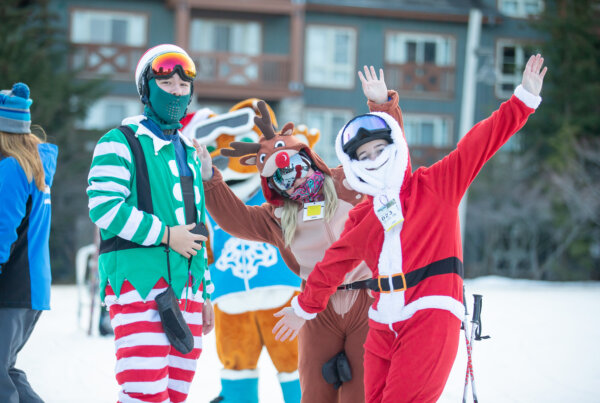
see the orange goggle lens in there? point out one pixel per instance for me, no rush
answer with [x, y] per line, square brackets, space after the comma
[166, 64]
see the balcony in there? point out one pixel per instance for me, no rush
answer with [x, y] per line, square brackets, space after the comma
[421, 80]
[237, 76]
[220, 75]
[253, 6]
[116, 61]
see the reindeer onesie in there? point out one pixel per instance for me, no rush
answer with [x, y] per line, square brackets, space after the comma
[343, 325]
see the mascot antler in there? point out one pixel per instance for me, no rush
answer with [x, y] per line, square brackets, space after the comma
[240, 148]
[264, 121]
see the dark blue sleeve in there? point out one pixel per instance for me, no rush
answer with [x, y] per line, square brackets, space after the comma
[14, 191]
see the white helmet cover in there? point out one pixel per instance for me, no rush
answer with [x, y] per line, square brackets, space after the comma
[400, 160]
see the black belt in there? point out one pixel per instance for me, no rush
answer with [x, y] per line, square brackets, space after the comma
[401, 282]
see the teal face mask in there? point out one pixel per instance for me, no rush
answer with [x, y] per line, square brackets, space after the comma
[167, 109]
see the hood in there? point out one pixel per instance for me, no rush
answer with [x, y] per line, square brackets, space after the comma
[271, 145]
[48, 154]
[401, 163]
[275, 198]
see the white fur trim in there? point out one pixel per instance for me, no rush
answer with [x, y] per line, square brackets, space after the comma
[256, 299]
[430, 302]
[401, 159]
[284, 377]
[233, 375]
[532, 101]
[301, 312]
[390, 258]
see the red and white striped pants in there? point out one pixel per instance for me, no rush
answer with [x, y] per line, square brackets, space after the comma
[148, 368]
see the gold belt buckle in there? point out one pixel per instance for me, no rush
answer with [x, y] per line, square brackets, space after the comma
[403, 281]
[395, 275]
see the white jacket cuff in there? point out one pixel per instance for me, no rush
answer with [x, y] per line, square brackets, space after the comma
[532, 101]
[301, 312]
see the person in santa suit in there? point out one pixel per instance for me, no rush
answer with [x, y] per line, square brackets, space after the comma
[408, 233]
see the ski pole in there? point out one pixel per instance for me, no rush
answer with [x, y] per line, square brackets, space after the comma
[477, 302]
[465, 325]
[475, 335]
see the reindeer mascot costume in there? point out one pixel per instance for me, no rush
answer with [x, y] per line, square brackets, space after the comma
[302, 220]
[251, 279]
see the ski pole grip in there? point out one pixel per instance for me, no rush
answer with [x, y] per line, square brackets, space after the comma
[477, 300]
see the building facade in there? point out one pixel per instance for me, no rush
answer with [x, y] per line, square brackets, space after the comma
[302, 56]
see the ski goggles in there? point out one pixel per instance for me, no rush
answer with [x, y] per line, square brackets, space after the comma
[363, 128]
[284, 178]
[165, 65]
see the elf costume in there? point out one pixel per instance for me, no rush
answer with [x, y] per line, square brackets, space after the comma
[133, 215]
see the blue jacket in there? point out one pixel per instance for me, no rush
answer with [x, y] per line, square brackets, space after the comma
[241, 265]
[24, 232]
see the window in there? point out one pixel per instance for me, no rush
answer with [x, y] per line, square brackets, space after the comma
[226, 36]
[403, 47]
[428, 130]
[108, 27]
[108, 112]
[419, 64]
[329, 122]
[520, 8]
[330, 57]
[511, 58]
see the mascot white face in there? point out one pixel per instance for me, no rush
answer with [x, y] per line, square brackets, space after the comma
[219, 131]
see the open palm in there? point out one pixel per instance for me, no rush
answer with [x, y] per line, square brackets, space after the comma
[205, 160]
[533, 75]
[374, 88]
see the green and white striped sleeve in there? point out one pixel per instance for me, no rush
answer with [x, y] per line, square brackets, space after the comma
[110, 183]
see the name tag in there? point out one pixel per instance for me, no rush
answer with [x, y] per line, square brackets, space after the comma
[314, 211]
[389, 213]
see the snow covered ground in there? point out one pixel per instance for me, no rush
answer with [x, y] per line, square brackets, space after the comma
[545, 347]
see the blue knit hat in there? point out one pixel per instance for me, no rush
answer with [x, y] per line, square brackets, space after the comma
[14, 109]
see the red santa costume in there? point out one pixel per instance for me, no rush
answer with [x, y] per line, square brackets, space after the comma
[416, 259]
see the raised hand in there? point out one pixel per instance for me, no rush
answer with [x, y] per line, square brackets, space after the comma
[374, 88]
[205, 159]
[533, 78]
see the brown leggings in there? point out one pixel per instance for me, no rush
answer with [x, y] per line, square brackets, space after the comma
[323, 337]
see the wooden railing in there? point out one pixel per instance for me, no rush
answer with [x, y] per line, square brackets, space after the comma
[421, 80]
[222, 74]
[116, 61]
[257, 6]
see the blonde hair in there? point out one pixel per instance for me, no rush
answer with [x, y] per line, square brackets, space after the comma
[289, 217]
[23, 148]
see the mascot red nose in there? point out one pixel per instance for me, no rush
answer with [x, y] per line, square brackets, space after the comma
[282, 160]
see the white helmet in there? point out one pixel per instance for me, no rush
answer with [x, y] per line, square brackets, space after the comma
[144, 63]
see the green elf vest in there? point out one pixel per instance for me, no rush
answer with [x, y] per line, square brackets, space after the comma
[131, 237]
